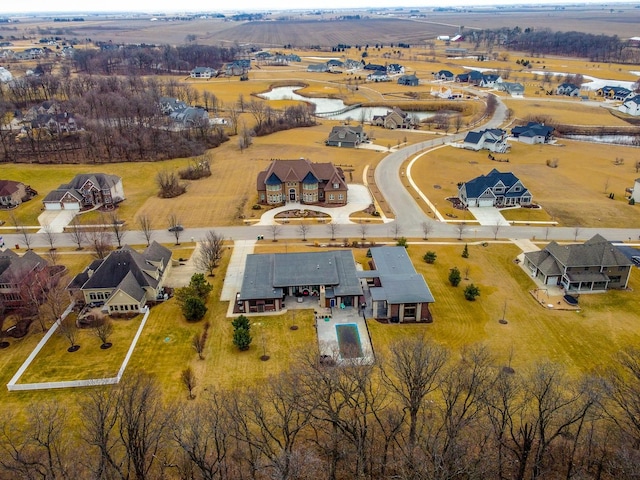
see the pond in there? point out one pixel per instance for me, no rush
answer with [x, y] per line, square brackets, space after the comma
[327, 105]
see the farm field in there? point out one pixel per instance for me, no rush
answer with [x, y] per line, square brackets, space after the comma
[576, 193]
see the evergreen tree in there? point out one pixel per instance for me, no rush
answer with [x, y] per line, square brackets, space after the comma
[454, 276]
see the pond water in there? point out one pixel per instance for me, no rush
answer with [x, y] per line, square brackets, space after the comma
[326, 105]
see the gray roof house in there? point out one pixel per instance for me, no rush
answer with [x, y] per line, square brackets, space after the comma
[512, 88]
[493, 139]
[318, 68]
[86, 190]
[533, 133]
[409, 80]
[444, 75]
[568, 89]
[594, 266]
[399, 293]
[125, 280]
[269, 279]
[495, 189]
[346, 136]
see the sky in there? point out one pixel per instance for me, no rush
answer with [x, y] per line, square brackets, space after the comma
[157, 6]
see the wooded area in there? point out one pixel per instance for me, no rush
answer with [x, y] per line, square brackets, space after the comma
[421, 413]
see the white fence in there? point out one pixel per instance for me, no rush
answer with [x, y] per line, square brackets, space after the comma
[13, 387]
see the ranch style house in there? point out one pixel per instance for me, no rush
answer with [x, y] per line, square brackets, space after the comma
[391, 286]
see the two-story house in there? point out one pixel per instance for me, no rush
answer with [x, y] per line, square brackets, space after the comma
[494, 189]
[594, 266]
[568, 89]
[22, 279]
[492, 139]
[13, 193]
[393, 119]
[346, 136]
[86, 191]
[301, 181]
[533, 133]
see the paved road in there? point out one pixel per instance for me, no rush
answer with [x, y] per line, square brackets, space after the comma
[409, 216]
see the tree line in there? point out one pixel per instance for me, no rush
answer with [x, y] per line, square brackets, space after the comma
[596, 48]
[118, 118]
[111, 59]
[422, 412]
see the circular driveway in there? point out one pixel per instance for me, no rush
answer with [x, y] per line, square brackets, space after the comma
[358, 199]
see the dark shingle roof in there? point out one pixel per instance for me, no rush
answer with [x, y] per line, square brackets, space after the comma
[597, 251]
[478, 185]
[266, 275]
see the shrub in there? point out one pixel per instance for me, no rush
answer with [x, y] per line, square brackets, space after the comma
[402, 242]
[465, 252]
[471, 292]
[430, 257]
[454, 276]
[242, 338]
[194, 309]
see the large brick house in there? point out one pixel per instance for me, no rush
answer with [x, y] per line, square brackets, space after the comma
[301, 181]
[21, 277]
[13, 193]
[595, 265]
[85, 191]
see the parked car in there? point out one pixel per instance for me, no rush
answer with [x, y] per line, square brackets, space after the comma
[176, 228]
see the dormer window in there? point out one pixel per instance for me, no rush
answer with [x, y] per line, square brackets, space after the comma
[336, 185]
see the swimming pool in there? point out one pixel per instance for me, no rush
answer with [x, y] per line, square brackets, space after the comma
[349, 341]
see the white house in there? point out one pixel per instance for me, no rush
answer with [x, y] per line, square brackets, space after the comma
[493, 139]
[631, 106]
[203, 72]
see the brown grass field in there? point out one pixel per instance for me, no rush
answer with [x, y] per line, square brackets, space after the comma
[572, 194]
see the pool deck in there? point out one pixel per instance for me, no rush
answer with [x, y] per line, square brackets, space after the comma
[328, 337]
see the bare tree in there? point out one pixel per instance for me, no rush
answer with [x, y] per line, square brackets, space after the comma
[363, 228]
[175, 227]
[54, 298]
[396, 230]
[188, 378]
[100, 239]
[103, 330]
[198, 342]
[461, 229]
[144, 222]
[427, 227]
[39, 448]
[333, 228]
[412, 373]
[169, 184]
[210, 252]
[27, 237]
[202, 431]
[128, 427]
[275, 231]
[118, 227]
[303, 228]
[576, 232]
[76, 232]
[496, 230]
[49, 234]
[458, 122]
[68, 329]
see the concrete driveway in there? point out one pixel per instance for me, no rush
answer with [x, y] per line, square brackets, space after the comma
[358, 196]
[488, 216]
[56, 220]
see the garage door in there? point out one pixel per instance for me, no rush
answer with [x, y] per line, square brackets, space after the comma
[552, 280]
[485, 202]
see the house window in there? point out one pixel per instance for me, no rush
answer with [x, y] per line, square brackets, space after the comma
[331, 196]
[340, 196]
[336, 185]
